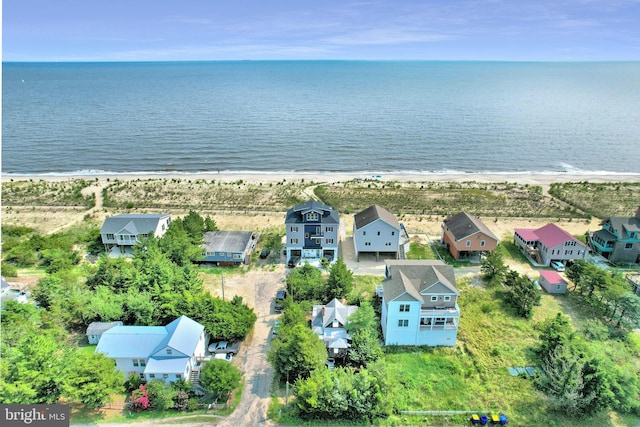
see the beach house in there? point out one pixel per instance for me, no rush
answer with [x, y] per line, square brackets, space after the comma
[466, 236]
[169, 353]
[548, 243]
[328, 322]
[419, 303]
[311, 232]
[228, 247]
[119, 233]
[377, 231]
[619, 239]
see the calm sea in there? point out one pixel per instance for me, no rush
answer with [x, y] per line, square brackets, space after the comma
[321, 116]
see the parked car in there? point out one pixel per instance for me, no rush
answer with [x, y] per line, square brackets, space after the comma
[281, 295]
[264, 253]
[293, 261]
[276, 328]
[557, 265]
[224, 347]
[224, 356]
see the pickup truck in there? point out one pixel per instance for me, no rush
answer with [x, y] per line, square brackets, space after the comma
[224, 347]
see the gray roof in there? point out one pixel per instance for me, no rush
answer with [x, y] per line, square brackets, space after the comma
[227, 241]
[625, 224]
[328, 215]
[373, 213]
[323, 315]
[412, 277]
[463, 225]
[182, 335]
[97, 328]
[132, 223]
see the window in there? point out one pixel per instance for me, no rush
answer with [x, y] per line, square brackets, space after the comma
[178, 376]
[558, 287]
[482, 243]
[329, 241]
[434, 298]
[169, 351]
[152, 376]
[468, 243]
[293, 229]
[237, 256]
[447, 298]
[294, 241]
[628, 245]
[378, 233]
[306, 235]
[388, 244]
[393, 233]
[135, 362]
[403, 323]
[329, 229]
[364, 233]
[367, 243]
[143, 362]
[165, 376]
[110, 236]
[404, 308]
[313, 216]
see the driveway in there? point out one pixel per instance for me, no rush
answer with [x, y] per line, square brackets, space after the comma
[257, 287]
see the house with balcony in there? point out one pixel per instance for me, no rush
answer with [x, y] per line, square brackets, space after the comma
[467, 237]
[619, 239]
[168, 353]
[120, 233]
[328, 322]
[419, 303]
[312, 232]
[549, 243]
[228, 247]
[377, 231]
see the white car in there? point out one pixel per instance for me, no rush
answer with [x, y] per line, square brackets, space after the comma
[557, 265]
[222, 356]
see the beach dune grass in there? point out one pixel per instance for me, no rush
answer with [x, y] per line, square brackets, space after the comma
[441, 198]
[601, 200]
[47, 193]
[202, 194]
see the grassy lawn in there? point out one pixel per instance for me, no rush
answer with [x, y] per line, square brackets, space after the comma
[474, 376]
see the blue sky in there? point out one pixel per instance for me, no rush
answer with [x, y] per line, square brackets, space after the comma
[143, 30]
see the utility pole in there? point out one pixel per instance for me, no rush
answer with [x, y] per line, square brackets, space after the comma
[222, 274]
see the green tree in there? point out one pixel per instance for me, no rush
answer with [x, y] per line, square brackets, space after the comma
[104, 305]
[292, 314]
[493, 268]
[57, 259]
[219, 378]
[306, 284]
[522, 295]
[340, 281]
[19, 321]
[629, 310]
[139, 308]
[160, 395]
[210, 224]
[93, 379]
[341, 394]
[363, 328]
[296, 353]
[47, 291]
[554, 332]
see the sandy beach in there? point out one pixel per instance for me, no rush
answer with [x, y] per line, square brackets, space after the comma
[531, 178]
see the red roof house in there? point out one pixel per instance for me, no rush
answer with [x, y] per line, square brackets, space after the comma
[549, 243]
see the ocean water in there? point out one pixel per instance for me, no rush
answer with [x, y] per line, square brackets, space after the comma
[321, 116]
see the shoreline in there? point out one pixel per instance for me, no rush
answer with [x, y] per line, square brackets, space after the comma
[532, 178]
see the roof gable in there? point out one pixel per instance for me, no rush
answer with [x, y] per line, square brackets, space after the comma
[132, 223]
[551, 235]
[373, 213]
[463, 225]
[412, 278]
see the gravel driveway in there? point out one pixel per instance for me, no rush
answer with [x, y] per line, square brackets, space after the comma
[257, 287]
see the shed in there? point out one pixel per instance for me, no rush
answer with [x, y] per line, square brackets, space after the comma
[96, 329]
[552, 282]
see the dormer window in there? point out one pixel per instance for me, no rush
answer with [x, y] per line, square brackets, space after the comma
[313, 216]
